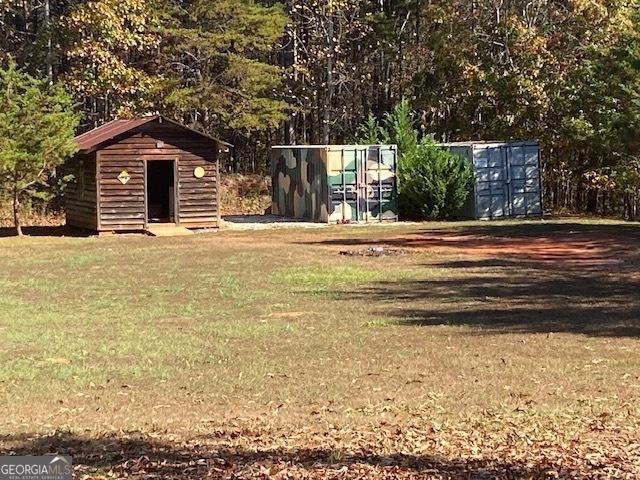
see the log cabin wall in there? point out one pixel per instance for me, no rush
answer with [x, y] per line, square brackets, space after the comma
[81, 194]
[198, 197]
[124, 207]
[121, 206]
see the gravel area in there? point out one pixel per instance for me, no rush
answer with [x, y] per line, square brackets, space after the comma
[263, 222]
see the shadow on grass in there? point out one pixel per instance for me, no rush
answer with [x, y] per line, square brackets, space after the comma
[520, 278]
[46, 231]
[142, 457]
[514, 302]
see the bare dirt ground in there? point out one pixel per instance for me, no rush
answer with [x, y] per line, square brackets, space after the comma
[564, 247]
[485, 350]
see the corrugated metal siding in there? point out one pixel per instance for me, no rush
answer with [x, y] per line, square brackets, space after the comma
[299, 183]
[335, 183]
[507, 179]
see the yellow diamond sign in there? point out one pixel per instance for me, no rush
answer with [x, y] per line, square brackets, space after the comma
[124, 177]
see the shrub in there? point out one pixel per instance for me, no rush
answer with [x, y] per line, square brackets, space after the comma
[37, 125]
[398, 128]
[370, 132]
[432, 183]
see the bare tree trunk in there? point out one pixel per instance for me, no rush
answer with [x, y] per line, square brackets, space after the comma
[291, 123]
[47, 26]
[326, 121]
[304, 127]
[16, 211]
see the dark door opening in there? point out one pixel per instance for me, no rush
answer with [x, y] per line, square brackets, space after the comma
[160, 191]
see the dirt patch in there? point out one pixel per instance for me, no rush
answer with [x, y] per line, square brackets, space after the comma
[579, 248]
[374, 252]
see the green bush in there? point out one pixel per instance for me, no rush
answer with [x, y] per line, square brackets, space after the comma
[432, 183]
[37, 126]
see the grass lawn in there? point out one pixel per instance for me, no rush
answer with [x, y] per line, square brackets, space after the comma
[481, 350]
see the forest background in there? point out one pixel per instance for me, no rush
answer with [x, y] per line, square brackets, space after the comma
[259, 72]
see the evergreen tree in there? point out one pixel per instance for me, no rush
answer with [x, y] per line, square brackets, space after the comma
[218, 72]
[399, 128]
[37, 126]
[433, 184]
[370, 132]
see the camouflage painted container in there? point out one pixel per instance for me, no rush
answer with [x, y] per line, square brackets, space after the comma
[335, 183]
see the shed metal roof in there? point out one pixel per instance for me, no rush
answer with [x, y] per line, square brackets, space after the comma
[92, 139]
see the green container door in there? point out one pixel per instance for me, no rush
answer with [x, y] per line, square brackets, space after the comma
[381, 192]
[362, 183]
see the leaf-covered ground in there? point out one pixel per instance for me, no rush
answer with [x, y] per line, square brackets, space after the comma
[493, 350]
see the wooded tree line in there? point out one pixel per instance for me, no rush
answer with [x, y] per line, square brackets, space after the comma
[259, 72]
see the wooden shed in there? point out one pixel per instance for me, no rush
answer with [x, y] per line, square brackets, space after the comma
[133, 175]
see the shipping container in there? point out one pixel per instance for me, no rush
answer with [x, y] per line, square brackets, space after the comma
[508, 178]
[335, 183]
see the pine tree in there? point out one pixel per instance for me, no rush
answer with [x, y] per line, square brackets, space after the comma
[218, 71]
[399, 128]
[37, 126]
[370, 132]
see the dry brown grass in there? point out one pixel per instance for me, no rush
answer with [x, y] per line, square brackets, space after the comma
[245, 194]
[29, 217]
[267, 354]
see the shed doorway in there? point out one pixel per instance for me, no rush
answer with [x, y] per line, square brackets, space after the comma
[161, 190]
